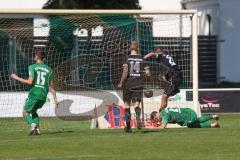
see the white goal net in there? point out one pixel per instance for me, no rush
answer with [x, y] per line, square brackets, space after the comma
[86, 52]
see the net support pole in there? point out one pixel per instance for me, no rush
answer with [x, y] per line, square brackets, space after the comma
[195, 61]
[12, 58]
[139, 52]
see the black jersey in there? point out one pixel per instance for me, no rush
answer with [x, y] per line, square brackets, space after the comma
[132, 88]
[135, 66]
[169, 72]
[167, 61]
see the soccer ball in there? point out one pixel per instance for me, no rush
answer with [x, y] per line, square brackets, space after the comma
[148, 93]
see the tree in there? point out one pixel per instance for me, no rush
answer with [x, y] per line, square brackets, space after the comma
[92, 4]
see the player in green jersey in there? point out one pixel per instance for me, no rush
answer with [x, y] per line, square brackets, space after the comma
[183, 117]
[40, 80]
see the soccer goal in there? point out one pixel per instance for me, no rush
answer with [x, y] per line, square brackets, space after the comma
[86, 48]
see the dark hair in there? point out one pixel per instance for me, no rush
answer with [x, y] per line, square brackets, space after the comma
[152, 115]
[39, 53]
[155, 50]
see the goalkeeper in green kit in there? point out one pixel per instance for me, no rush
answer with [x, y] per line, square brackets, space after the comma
[183, 117]
[40, 80]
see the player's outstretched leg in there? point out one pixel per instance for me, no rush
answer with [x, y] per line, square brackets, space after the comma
[207, 118]
[205, 125]
[212, 125]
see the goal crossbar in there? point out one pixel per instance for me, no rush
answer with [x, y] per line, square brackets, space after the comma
[68, 11]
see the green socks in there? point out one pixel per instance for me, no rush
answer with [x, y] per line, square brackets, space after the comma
[205, 125]
[28, 118]
[35, 119]
[32, 119]
[205, 118]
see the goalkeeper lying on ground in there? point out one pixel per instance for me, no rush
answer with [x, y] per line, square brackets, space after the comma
[183, 117]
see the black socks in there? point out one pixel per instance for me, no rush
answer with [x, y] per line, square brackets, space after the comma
[128, 117]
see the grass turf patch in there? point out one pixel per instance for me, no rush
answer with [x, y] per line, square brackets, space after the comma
[74, 140]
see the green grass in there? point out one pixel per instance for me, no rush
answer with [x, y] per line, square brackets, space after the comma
[77, 141]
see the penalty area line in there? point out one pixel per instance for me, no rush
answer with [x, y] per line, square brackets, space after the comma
[78, 156]
[34, 139]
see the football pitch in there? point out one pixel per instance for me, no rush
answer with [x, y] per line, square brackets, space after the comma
[74, 140]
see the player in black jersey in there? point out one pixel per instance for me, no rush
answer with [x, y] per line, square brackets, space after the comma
[169, 73]
[131, 83]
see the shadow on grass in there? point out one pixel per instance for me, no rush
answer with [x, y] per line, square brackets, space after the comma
[57, 132]
[167, 130]
[145, 131]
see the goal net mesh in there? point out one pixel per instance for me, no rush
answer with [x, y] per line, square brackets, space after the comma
[86, 52]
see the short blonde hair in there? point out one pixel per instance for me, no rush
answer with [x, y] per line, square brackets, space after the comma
[134, 43]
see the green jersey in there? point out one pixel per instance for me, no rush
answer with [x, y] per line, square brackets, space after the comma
[42, 75]
[181, 116]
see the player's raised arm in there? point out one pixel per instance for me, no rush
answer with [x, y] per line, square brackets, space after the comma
[28, 81]
[153, 53]
[149, 55]
[53, 91]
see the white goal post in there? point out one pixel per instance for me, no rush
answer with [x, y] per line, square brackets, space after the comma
[174, 30]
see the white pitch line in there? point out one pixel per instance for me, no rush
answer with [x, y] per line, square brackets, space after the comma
[97, 136]
[92, 136]
[78, 156]
[26, 139]
[73, 157]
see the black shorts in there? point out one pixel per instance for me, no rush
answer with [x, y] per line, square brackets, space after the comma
[195, 124]
[133, 90]
[174, 78]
